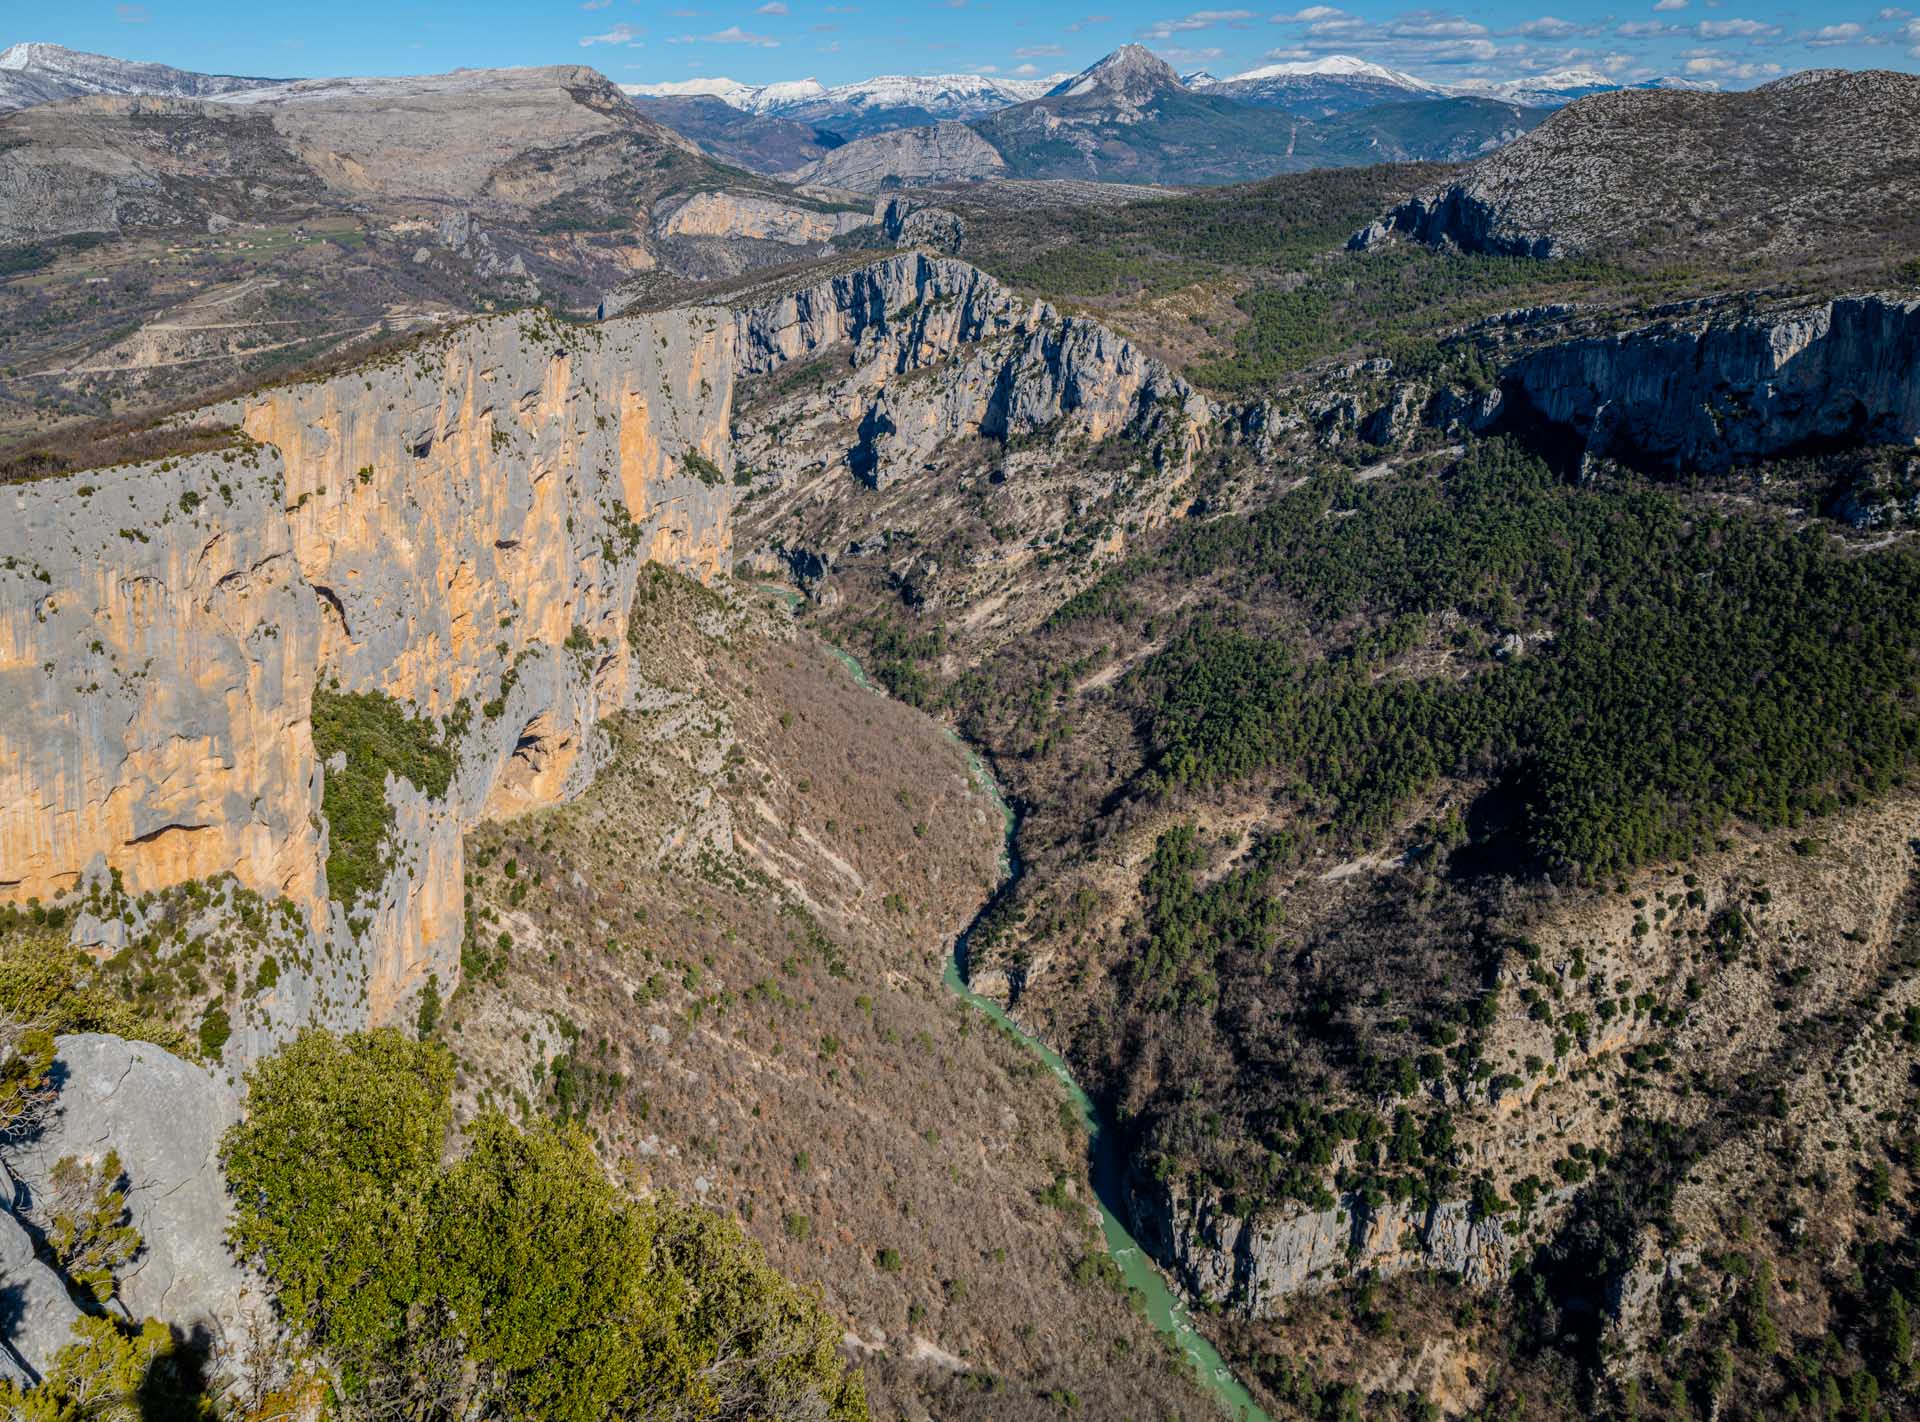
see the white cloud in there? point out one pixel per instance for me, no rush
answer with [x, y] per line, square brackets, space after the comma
[772, 7]
[1198, 20]
[595, 4]
[619, 34]
[1308, 15]
[1546, 27]
[1664, 5]
[1829, 35]
[732, 34]
[1086, 20]
[1025, 71]
[1705, 62]
[1038, 51]
[1174, 54]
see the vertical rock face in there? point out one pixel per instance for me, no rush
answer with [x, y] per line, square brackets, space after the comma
[976, 359]
[1256, 1264]
[458, 527]
[1712, 393]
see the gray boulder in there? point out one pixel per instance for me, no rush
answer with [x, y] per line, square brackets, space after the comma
[165, 1117]
[35, 1312]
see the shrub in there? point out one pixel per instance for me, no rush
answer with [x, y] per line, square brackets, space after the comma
[83, 1218]
[377, 738]
[515, 1282]
[215, 1028]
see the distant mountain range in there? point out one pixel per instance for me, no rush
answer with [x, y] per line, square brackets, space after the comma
[1128, 118]
[1334, 83]
[41, 73]
[1131, 118]
[851, 110]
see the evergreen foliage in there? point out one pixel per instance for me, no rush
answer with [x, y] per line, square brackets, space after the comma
[378, 739]
[515, 1282]
[1698, 667]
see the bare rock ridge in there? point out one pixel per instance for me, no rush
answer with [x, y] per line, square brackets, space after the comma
[43, 73]
[491, 140]
[1708, 393]
[459, 527]
[1820, 158]
[937, 349]
[936, 153]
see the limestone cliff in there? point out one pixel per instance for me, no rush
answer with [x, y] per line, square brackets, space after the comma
[1701, 390]
[1255, 1265]
[937, 153]
[934, 349]
[725, 214]
[458, 527]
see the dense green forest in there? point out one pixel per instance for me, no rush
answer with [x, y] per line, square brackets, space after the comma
[514, 1282]
[1684, 667]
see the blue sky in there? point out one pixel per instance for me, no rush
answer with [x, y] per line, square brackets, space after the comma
[1732, 41]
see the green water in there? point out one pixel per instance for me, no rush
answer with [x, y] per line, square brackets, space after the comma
[1163, 1310]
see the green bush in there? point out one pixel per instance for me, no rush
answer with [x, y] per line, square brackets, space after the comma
[515, 1282]
[378, 739]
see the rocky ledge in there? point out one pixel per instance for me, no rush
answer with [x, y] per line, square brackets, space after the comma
[1708, 391]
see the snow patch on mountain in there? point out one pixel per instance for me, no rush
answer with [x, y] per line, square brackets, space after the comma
[35, 73]
[1342, 66]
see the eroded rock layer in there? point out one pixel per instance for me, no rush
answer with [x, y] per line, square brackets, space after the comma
[458, 527]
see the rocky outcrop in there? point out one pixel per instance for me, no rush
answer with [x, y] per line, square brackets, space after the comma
[164, 1118]
[906, 157]
[1809, 164]
[1702, 390]
[724, 214]
[1254, 1264]
[911, 224]
[507, 142]
[938, 349]
[1463, 216]
[462, 235]
[458, 527]
[36, 1312]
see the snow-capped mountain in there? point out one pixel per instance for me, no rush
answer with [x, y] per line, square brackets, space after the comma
[41, 73]
[949, 95]
[730, 91]
[1342, 66]
[1541, 91]
[908, 98]
[1132, 73]
[1676, 81]
[785, 94]
[1320, 88]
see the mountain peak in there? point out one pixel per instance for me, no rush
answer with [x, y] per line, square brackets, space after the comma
[1131, 72]
[38, 73]
[1337, 66]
